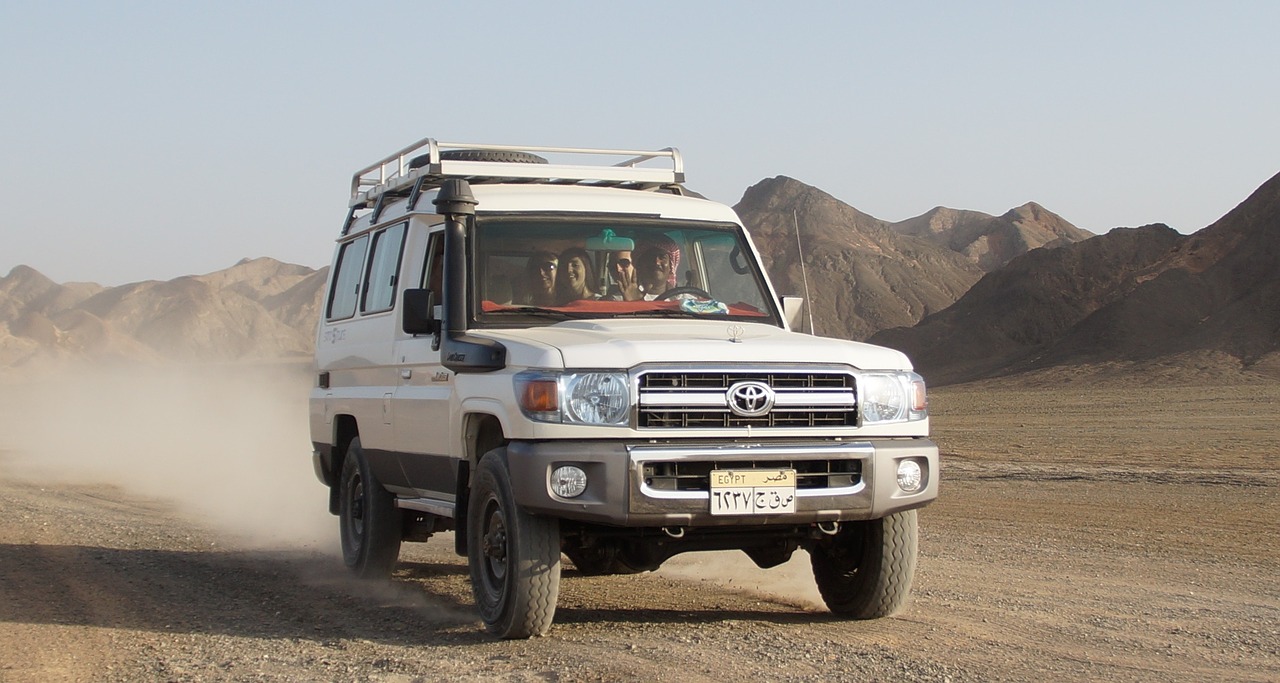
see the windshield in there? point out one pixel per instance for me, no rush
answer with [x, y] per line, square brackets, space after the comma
[543, 270]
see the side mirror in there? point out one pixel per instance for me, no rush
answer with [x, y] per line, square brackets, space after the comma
[419, 312]
[792, 307]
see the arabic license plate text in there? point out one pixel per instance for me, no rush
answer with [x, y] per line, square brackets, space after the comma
[753, 492]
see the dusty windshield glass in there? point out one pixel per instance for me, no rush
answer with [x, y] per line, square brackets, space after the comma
[531, 271]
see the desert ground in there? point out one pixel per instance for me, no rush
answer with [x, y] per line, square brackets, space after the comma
[166, 526]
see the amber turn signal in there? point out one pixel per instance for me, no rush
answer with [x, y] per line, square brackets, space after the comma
[540, 396]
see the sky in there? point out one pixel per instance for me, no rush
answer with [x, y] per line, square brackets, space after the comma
[151, 140]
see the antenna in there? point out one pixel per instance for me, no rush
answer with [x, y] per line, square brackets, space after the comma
[804, 274]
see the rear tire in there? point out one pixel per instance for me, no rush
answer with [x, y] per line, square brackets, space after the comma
[514, 556]
[865, 571]
[369, 520]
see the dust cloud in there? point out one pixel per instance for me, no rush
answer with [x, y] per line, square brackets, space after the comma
[791, 582]
[228, 445]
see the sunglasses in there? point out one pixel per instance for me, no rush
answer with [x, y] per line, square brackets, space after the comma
[622, 263]
[548, 265]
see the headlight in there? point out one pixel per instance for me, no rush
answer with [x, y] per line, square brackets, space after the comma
[590, 398]
[885, 397]
[596, 398]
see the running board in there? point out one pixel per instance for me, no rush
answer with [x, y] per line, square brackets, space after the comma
[442, 508]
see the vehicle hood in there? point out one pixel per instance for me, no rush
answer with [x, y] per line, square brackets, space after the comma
[627, 343]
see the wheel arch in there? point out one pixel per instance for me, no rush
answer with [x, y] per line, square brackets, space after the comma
[482, 432]
[345, 428]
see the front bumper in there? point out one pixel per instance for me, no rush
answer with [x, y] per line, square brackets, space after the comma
[621, 489]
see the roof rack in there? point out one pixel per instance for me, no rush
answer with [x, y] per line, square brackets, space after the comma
[421, 165]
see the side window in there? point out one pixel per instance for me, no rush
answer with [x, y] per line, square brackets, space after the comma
[384, 269]
[345, 291]
[434, 272]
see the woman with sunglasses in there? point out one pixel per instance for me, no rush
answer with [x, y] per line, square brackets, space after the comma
[540, 280]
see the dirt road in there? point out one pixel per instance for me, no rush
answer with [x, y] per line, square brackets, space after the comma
[1068, 544]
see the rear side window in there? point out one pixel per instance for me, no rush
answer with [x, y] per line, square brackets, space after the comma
[345, 291]
[384, 267]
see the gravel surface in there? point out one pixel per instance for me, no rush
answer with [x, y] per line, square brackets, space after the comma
[1066, 562]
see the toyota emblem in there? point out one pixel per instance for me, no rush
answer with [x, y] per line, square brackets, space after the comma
[750, 399]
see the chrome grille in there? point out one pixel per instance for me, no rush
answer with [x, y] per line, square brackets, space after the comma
[701, 399]
[686, 475]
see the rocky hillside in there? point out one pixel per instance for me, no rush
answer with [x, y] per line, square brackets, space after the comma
[992, 241]
[257, 309]
[864, 276]
[1131, 296]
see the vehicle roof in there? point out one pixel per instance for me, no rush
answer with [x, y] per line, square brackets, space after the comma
[543, 198]
[533, 198]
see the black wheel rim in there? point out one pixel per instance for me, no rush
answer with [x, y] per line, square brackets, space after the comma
[494, 549]
[355, 511]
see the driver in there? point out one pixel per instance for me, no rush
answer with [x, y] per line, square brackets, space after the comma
[656, 262]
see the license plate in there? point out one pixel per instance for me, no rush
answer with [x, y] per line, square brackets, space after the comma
[753, 492]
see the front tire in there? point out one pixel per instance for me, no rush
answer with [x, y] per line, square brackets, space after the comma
[865, 571]
[369, 520]
[514, 556]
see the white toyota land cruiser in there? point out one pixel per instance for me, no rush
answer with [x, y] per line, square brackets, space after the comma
[579, 357]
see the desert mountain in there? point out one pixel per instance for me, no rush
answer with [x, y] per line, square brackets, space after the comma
[864, 276]
[257, 309]
[1133, 295]
[1130, 296]
[26, 290]
[992, 241]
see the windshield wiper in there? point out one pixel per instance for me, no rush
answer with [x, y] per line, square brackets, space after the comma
[664, 313]
[540, 312]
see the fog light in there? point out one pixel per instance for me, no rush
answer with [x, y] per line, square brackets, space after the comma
[569, 482]
[909, 476]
